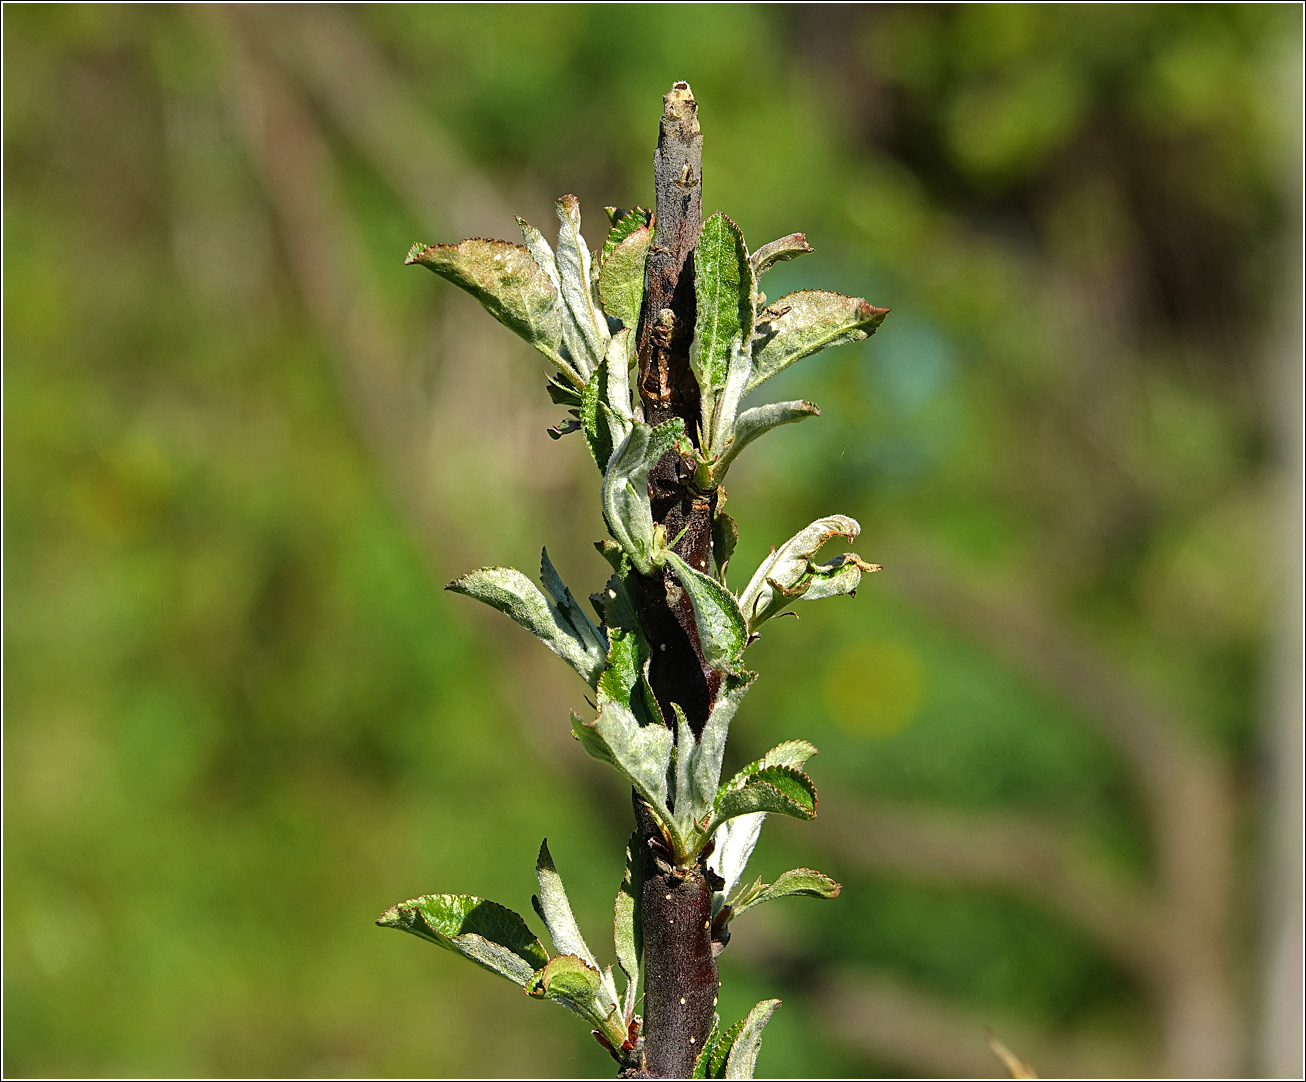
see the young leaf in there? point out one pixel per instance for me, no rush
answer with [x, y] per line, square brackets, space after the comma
[742, 1060]
[735, 840]
[809, 320]
[755, 422]
[506, 279]
[627, 925]
[775, 789]
[721, 627]
[539, 249]
[594, 422]
[721, 413]
[840, 576]
[796, 881]
[724, 287]
[489, 934]
[626, 507]
[792, 753]
[578, 986]
[621, 277]
[561, 624]
[703, 1065]
[701, 758]
[555, 910]
[788, 572]
[617, 364]
[624, 223]
[584, 328]
[641, 752]
[790, 247]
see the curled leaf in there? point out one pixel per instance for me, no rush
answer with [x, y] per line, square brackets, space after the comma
[788, 573]
[790, 247]
[641, 752]
[584, 327]
[756, 422]
[626, 508]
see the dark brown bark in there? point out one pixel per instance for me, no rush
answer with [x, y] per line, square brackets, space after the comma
[680, 973]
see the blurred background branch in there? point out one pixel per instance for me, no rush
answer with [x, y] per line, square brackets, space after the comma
[1041, 718]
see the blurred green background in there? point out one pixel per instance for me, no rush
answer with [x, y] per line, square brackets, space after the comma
[244, 447]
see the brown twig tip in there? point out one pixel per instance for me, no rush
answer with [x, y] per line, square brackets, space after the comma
[678, 104]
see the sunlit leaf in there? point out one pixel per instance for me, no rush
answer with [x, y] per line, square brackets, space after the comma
[804, 882]
[506, 279]
[775, 789]
[800, 324]
[489, 934]
[626, 508]
[742, 1060]
[560, 623]
[627, 923]
[584, 327]
[756, 422]
[790, 247]
[722, 631]
[788, 573]
[724, 288]
[641, 752]
[621, 277]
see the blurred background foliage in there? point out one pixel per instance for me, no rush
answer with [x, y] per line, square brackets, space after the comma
[245, 447]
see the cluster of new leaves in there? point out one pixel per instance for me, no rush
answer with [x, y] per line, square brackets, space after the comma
[580, 311]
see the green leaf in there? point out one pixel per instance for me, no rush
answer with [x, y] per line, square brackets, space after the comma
[627, 924]
[698, 764]
[840, 576]
[584, 327]
[641, 752]
[722, 631]
[724, 288]
[790, 247]
[555, 910]
[797, 881]
[702, 1065]
[621, 277]
[575, 984]
[560, 623]
[742, 1060]
[489, 934]
[800, 324]
[788, 572]
[624, 223]
[626, 508]
[755, 422]
[506, 279]
[774, 789]
[598, 437]
[792, 753]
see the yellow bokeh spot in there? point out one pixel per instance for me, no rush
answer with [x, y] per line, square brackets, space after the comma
[875, 688]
